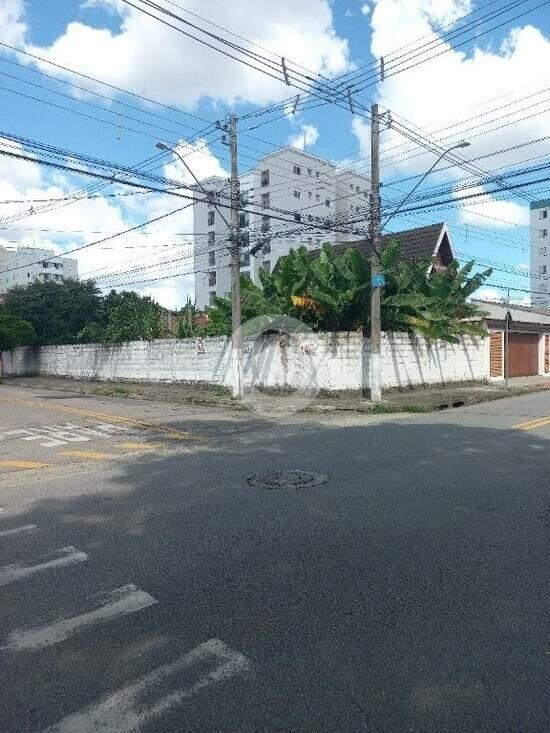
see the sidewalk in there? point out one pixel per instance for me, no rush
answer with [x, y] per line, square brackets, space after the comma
[422, 399]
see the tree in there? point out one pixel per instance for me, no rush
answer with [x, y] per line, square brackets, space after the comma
[186, 325]
[126, 316]
[58, 311]
[13, 332]
[332, 293]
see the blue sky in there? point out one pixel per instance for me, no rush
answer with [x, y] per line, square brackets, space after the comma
[464, 93]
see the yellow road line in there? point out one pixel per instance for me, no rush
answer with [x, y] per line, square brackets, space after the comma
[137, 446]
[172, 432]
[94, 455]
[531, 424]
[23, 464]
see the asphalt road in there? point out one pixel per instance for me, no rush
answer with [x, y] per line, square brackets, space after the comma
[146, 585]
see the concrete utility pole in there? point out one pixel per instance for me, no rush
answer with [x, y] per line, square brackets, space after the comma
[235, 244]
[375, 319]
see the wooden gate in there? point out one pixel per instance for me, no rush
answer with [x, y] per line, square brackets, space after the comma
[523, 354]
[496, 355]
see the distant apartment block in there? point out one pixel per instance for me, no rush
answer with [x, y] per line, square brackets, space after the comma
[33, 264]
[290, 198]
[540, 253]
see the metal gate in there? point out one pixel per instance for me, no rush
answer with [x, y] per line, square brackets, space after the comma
[523, 354]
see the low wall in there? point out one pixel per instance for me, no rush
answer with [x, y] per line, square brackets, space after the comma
[409, 360]
[329, 361]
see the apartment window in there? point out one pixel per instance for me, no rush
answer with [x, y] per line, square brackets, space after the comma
[28, 274]
[317, 197]
[297, 170]
[544, 233]
[265, 201]
[210, 198]
[211, 259]
[245, 259]
[245, 239]
[310, 195]
[266, 265]
[317, 174]
[212, 297]
[265, 223]
[542, 251]
[243, 220]
[543, 269]
[264, 178]
[297, 194]
[297, 217]
[356, 189]
[211, 218]
[211, 279]
[327, 203]
[543, 214]
[310, 171]
[45, 265]
[351, 186]
[266, 246]
[211, 239]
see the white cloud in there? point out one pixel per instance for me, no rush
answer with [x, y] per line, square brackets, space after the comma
[361, 130]
[308, 135]
[12, 25]
[490, 212]
[149, 58]
[365, 9]
[160, 249]
[491, 294]
[459, 84]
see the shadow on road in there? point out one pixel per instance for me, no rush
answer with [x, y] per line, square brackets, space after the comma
[408, 593]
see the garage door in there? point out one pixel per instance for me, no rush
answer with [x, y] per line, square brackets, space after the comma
[523, 354]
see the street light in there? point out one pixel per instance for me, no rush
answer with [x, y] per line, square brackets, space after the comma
[163, 146]
[456, 146]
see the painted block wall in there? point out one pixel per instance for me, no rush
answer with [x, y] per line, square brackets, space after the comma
[329, 361]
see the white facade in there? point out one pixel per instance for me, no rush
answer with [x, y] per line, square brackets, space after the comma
[32, 264]
[294, 199]
[540, 253]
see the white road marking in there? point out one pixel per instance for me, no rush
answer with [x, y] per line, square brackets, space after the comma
[16, 531]
[111, 605]
[51, 436]
[127, 709]
[66, 556]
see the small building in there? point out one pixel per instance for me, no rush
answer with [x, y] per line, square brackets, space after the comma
[528, 339]
[24, 265]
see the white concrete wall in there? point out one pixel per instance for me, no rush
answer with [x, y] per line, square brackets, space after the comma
[329, 361]
[413, 360]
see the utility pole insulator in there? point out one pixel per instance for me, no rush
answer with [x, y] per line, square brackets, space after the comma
[285, 70]
[382, 69]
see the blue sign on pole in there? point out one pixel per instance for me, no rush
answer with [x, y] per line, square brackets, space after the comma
[378, 281]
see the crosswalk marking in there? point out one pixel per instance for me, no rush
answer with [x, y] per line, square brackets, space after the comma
[17, 531]
[65, 556]
[114, 604]
[126, 710]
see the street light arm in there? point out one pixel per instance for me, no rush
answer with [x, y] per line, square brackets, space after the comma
[163, 146]
[413, 189]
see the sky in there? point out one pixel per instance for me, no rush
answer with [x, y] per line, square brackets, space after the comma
[487, 83]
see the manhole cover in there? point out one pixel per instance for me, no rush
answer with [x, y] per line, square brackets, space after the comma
[287, 479]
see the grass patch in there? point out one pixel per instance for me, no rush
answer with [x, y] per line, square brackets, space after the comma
[383, 408]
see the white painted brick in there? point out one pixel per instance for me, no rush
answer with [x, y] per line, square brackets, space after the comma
[332, 361]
